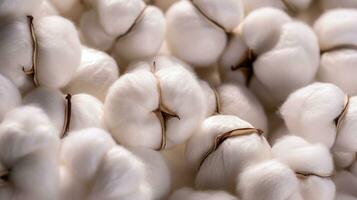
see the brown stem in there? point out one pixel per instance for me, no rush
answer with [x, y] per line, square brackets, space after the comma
[245, 65]
[67, 115]
[163, 113]
[33, 71]
[219, 139]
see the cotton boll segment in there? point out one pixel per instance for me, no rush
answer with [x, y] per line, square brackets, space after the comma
[9, 95]
[16, 51]
[343, 159]
[18, 7]
[29, 148]
[144, 39]
[59, 51]
[190, 194]
[162, 103]
[269, 180]
[310, 112]
[92, 32]
[205, 156]
[157, 171]
[96, 73]
[191, 37]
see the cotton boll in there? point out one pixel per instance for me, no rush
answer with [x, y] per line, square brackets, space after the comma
[9, 95]
[157, 171]
[29, 147]
[145, 38]
[310, 112]
[251, 148]
[163, 87]
[92, 32]
[210, 98]
[315, 188]
[18, 7]
[343, 159]
[117, 16]
[96, 73]
[191, 37]
[59, 51]
[16, 51]
[92, 158]
[346, 182]
[190, 194]
[269, 102]
[269, 180]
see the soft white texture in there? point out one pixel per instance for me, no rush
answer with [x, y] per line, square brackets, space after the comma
[269, 180]
[96, 73]
[341, 196]
[9, 95]
[59, 51]
[310, 112]
[71, 9]
[132, 99]
[157, 171]
[346, 182]
[29, 148]
[18, 7]
[193, 37]
[145, 39]
[343, 159]
[191, 194]
[45, 9]
[336, 30]
[162, 4]
[220, 169]
[311, 159]
[86, 111]
[91, 158]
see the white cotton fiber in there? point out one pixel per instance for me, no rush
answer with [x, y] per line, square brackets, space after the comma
[343, 159]
[191, 194]
[96, 73]
[18, 7]
[71, 9]
[224, 162]
[310, 112]
[9, 95]
[133, 100]
[346, 182]
[29, 148]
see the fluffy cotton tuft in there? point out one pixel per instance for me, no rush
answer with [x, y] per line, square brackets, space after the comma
[96, 73]
[19, 7]
[251, 148]
[9, 95]
[135, 101]
[29, 148]
[190, 194]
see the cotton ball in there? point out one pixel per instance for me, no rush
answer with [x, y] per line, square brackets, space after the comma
[59, 51]
[162, 103]
[310, 112]
[157, 171]
[343, 159]
[205, 156]
[269, 180]
[29, 148]
[190, 194]
[71, 9]
[18, 7]
[92, 32]
[117, 16]
[9, 95]
[313, 165]
[336, 32]
[92, 158]
[346, 182]
[16, 51]
[211, 96]
[193, 37]
[96, 73]
[144, 39]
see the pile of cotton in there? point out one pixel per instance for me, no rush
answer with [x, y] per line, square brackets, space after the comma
[178, 100]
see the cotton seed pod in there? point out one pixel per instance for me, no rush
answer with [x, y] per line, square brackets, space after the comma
[346, 182]
[321, 113]
[214, 148]
[68, 112]
[336, 30]
[18, 7]
[191, 194]
[157, 171]
[196, 30]
[269, 180]
[276, 47]
[29, 149]
[9, 95]
[155, 104]
[312, 164]
[96, 73]
[92, 158]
